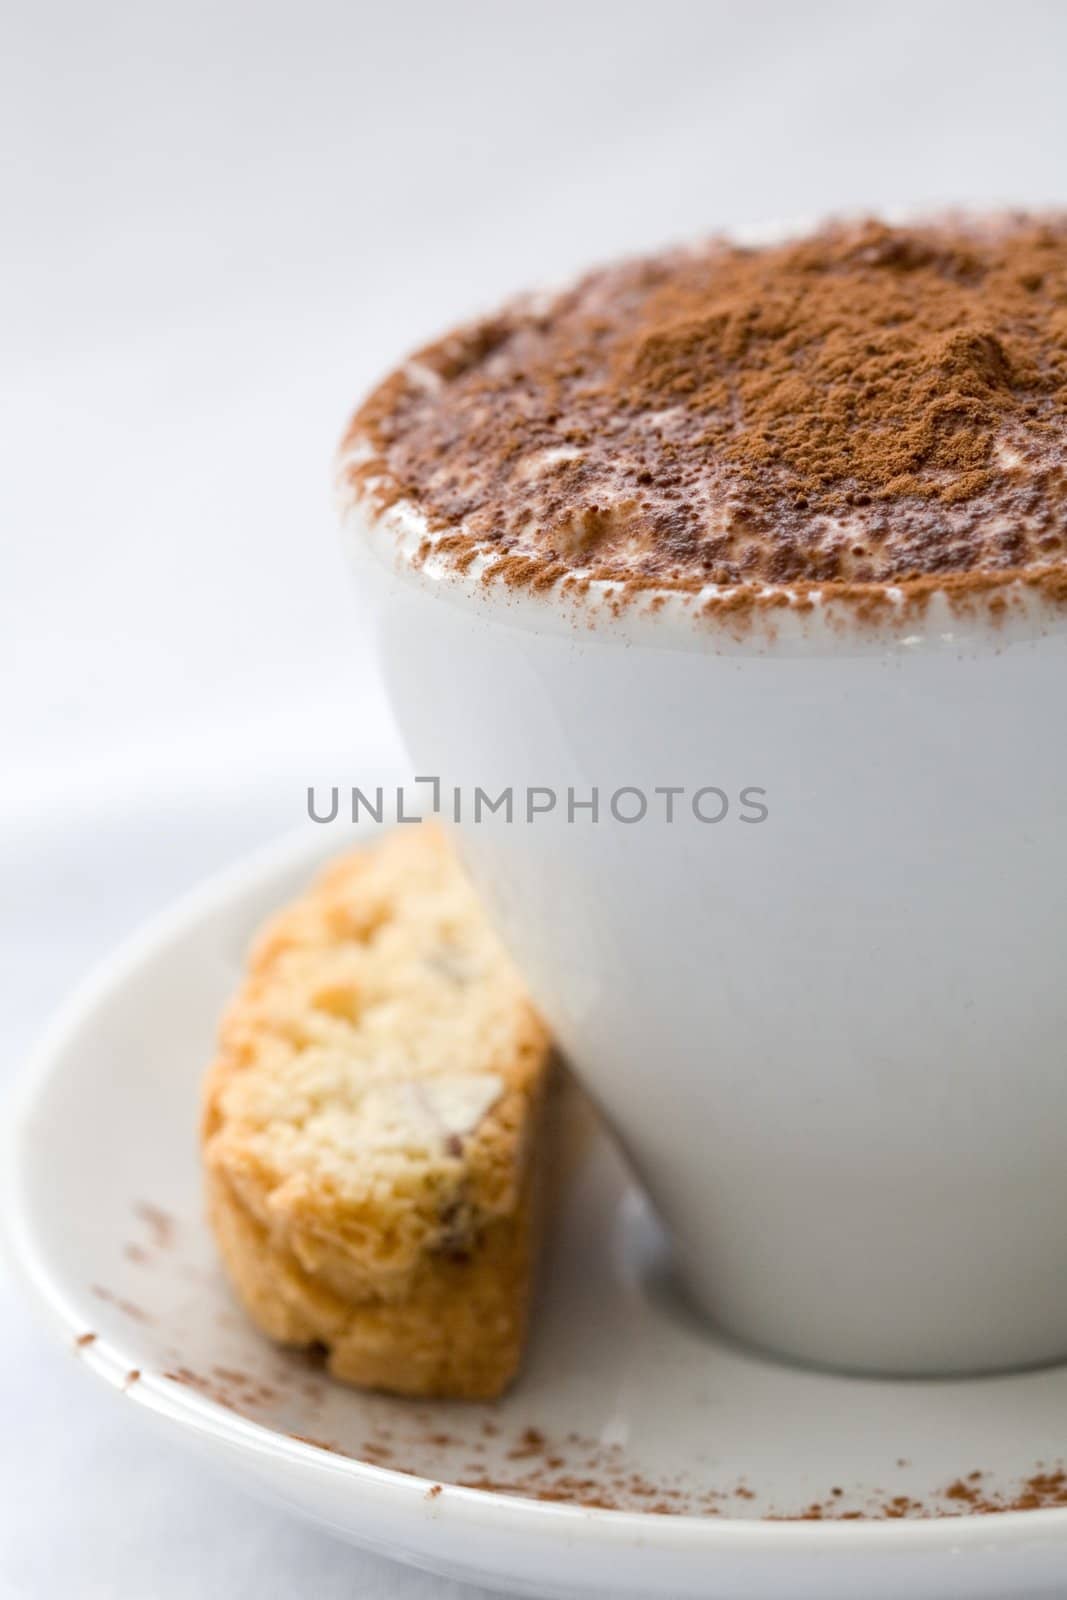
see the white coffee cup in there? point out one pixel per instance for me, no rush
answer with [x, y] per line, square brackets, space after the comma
[831, 1040]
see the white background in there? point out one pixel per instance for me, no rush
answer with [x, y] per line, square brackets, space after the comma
[219, 223]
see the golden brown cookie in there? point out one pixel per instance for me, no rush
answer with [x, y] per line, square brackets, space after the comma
[372, 1127]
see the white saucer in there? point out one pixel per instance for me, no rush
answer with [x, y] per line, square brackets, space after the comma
[627, 1401]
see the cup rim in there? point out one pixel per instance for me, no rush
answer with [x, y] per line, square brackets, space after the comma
[986, 614]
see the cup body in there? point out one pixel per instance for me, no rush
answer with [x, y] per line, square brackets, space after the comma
[831, 1039]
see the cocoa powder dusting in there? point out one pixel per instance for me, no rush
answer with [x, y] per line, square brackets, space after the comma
[577, 1470]
[869, 405]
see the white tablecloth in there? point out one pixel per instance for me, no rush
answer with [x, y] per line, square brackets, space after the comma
[219, 223]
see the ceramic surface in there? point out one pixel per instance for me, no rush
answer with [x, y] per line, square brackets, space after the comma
[830, 1039]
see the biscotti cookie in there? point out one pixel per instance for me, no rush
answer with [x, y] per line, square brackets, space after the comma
[371, 1127]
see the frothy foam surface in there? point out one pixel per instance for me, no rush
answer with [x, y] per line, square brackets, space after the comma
[867, 406]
